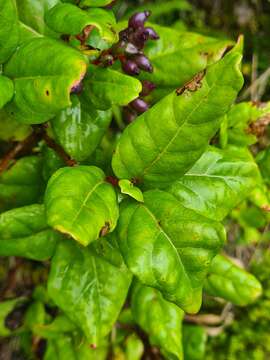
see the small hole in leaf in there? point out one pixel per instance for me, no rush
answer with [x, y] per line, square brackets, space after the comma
[47, 92]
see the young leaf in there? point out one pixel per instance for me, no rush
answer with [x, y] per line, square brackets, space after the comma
[230, 282]
[88, 288]
[161, 320]
[21, 184]
[79, 202]
[6, 90]
[9, 29]
[165, 142]
[217, 182]
[93, 3]
[106, 87]
[263, 160]
[12, 130]
[177, 56]
[24, 232]
[31, 13]
[6, 307]
[80, 128]
[168, 246]
[128, 188]
[43, 86]
[194, 342]
[240, 120]
[70, 19]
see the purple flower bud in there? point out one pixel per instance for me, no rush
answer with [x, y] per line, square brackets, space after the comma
[139, 105]
[138, 19]
[131, 49]
[147, 87]
[130, 67]
[152, 33]
[129, 115]
[77, 89]
[143, 63]
[139, 37]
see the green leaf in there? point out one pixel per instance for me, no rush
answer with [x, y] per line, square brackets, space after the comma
[79, 202]
[127, 187]
[7, 307]
[106, 87]
[263, 160]
[165, 142]
[80, 128]
[232, 283]
[43, 86]
[9, 29]
[194, 342]
[93, 3]
[12, 130]
[70, 19]
[24, 232]
[64, 347]
[21, 184]
[60, 325]
[239, 119]
[88, 288]
[168, 246]
[177, 56]
[134, 347]
[161, 9]
[31, 13]
[218, 182]
[51, 163]
[6, 90]
[161, 320]
[35, 315]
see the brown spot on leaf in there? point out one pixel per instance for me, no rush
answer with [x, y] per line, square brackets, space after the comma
[194, 84]
[266, 208]
[259, 127]
[105, 229]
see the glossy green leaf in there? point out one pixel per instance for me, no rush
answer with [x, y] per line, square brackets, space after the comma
[168, 246]
[43, 86]
[80, 128]
[93, 3]
[65, 347]
[177, 56]
[106, 87]
[12, 130]
[6, 90]
[88, 288]
[161, 320]
[161, 9]
[79, 202]
[21, 184]
[9, 29]
[194, 342]
[165, 142]
[127, 187]
[232, 283]
[24, 232]
[70, 19]
[31, 13]
[51, 163]
[218, 182]
[240, 118]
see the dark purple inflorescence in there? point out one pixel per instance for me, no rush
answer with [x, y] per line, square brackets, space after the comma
[132, 42]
